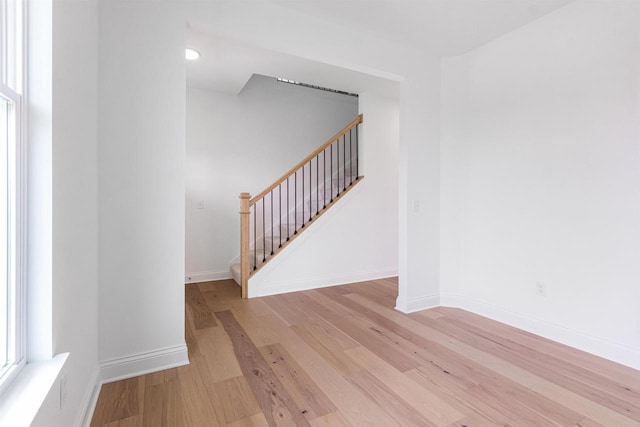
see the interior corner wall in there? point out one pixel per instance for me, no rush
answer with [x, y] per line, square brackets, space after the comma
[419, 188]
[242, 144]
[142, 97]
[453, 174]
[357, 239]
[541, 179]
[74, 209]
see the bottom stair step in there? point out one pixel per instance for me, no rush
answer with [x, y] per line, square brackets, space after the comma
[235, 272]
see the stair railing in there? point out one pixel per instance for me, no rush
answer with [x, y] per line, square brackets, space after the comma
[279, 213]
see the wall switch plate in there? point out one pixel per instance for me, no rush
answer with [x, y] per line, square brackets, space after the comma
[541, 289]
[416, 206]
[201, 204]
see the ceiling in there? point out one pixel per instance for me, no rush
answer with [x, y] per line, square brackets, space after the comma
[226, 65]
[438, 27]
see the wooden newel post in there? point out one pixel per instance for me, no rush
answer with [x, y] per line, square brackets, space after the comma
[244, 241]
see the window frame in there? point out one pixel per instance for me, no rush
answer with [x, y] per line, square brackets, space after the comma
[12, 88]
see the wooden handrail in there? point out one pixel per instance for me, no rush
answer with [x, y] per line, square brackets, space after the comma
[304, 161]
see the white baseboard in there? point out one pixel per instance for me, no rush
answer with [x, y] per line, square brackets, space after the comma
[143, 363]
[448, 300]
[591, 344]
[417, 304]
[207, 276]
[265, 289]
[89, 401]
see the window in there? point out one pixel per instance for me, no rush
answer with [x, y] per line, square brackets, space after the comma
[12, 212]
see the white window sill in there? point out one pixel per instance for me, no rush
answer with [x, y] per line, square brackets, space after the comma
[19, 404]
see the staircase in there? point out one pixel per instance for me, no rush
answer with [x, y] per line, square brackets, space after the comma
[280, 213]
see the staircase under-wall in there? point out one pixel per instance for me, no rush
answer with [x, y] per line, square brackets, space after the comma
[289, 206]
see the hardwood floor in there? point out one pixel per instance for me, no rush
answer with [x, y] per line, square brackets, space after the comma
[342, 356]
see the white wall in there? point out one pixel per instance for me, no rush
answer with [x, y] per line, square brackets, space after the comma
[74, 209]
[141, 107]
[419, 188]
[244, 143]
[357, 239]
[541, 178]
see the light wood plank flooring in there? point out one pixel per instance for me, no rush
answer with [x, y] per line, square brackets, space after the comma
[342, 356]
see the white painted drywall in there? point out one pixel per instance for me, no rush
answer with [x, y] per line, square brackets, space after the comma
[357, 239]
[244, 143]
[74, 209]
[541, 178]
[419, 188]
[142, 97]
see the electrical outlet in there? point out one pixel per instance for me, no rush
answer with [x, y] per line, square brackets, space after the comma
[63, 390]
[416, 206]
[541, 289]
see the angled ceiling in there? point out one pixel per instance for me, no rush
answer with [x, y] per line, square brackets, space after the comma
[226, 65]
[437, 27]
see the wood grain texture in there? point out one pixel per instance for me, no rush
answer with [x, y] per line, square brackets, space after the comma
[277, 404]
[304, 392]
[343, 356]
[217, 350]
[196, 304]
[237, 400]
[117, 401]
[334, 419]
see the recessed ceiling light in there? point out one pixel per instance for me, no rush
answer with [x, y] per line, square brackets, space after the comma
[191, 54]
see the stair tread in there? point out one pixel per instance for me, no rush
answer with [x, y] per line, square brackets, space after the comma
[235, 272]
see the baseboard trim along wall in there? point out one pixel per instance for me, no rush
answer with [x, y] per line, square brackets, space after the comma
[417, 304]
[274, 288]
[207, 276]
[143, 363]
[89, 401]
[589, 343]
